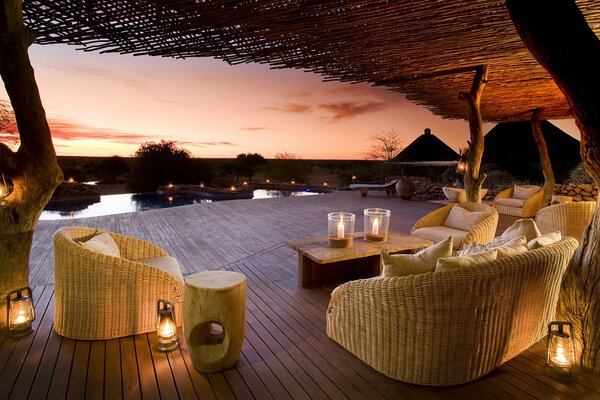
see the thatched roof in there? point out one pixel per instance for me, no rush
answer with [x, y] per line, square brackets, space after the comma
[423, 48]
[427, 148]
[511, 146]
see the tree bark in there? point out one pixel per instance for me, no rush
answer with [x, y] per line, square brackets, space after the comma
[536, 126]
[33, 169]
[473, 180]
[559, 37]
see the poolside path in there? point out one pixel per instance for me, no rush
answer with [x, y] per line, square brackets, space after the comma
[286, 353]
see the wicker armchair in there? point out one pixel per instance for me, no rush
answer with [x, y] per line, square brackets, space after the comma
[483, 232]
[571, 219]
[451, 327]
[102, 297]
[530, 206]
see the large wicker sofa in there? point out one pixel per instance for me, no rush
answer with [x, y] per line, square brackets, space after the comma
[450, 327]
[98, 296]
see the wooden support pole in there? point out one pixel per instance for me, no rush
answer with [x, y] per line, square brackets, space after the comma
[473, 180]
[536, 127]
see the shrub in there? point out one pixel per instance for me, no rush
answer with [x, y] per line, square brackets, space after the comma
[580, 175]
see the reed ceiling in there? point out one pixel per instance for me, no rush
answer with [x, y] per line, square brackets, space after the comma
[426, 49]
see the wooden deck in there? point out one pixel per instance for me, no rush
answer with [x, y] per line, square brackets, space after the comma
[286, 353]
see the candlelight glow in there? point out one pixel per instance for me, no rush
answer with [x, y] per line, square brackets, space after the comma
[166, 328]
[340, 229]
[375, 227]
[560, 358]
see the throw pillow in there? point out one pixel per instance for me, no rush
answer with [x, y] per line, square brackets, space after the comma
[450, 263]
[460, 218]
[102, 243]
[409, 264]
[512, 247]
[526, 191]
[525, 226]
[166, 263]
[544, 240]
[455, 195]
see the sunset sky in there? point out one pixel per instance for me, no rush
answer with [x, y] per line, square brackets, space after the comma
[107, 104]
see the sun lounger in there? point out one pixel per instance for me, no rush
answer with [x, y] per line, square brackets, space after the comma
[390, 187]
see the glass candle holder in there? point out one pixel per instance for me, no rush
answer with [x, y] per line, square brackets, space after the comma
[377, 223]
[341, 229]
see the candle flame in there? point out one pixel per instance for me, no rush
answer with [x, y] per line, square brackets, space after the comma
[560, 358]
[166, 329]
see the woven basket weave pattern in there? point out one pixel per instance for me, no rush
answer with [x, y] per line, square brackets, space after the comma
[104, 297]
[571, 219]
[450, 327]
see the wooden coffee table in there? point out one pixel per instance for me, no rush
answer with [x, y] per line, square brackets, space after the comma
[319, 264]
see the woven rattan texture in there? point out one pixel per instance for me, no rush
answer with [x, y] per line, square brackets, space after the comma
[450, 327]
[104, 297]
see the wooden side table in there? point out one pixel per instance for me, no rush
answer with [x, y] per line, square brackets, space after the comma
[214, 318]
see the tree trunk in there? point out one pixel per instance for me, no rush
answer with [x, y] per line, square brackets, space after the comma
[33, 169]
[473, 180]
[559, 37]
[536, 126]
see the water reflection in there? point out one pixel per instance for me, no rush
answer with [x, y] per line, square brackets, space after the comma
[123, 203]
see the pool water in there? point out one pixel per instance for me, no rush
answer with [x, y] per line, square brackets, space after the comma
[132, 202]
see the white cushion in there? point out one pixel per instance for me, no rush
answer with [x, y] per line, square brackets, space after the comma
[102, 243]
[508, 201]
[460, 218]
[409, 264]
[525, 226]
[525, 191]
[439, 233]
[450, 263]
[544, 240]
[166, 263]
[455, 195]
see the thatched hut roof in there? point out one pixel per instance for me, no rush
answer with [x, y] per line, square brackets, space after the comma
[425, 149]
[511, 146]
[425, 49]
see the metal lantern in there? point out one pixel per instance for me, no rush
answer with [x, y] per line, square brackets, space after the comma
[21, 312]
[560, 354]
[165, 326]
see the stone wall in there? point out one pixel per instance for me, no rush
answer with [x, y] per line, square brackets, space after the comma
[579, 192]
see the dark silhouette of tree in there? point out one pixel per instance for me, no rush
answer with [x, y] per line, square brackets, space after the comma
[249, 164]
[158, 163]
[385, 145]
[111, 168]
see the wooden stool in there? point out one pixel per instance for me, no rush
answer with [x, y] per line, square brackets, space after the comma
[214, 317]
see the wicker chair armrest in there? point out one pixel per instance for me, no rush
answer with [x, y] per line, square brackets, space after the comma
[533, 204]
[484, 231]
[434, 218]
[506, 193]
[134, 249]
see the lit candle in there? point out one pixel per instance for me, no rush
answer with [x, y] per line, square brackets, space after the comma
[340, 229]
[20, 318]
[560, 358]
[166, 329]
[375, 227]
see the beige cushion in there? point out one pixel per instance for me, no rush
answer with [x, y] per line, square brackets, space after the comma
[505, 247]
[512, 247]
[455, 195]
[525, 226]
[544, 240]
[450, 263]
[511, 202]
[166, 263]
[102, 243]
[439, 233]
[409, 264]
[460, 218]
[525, 191]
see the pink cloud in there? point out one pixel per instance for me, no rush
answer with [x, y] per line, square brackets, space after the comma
[253, 128]
[294, 108]
[62, 129]
[346, 110]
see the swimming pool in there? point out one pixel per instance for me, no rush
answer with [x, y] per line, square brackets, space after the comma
[132, 202]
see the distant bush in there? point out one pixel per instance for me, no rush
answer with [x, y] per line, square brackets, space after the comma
[286, 167]
[497, 179]
[112, 167]
[580, 175]
[159, 163]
